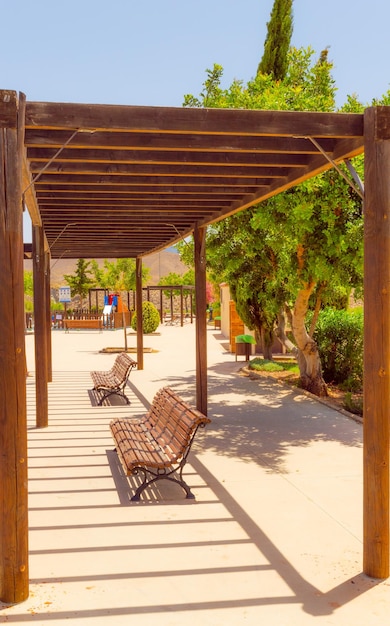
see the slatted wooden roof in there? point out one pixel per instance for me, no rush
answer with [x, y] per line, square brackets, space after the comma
[126, 181]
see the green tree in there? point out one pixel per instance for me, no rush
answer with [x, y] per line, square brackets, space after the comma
[119, 275]
[172, 279]
[175, 279]
[234, 257]
[277, 44]
[28, 283]
[315, 234]
[80, 282]
[307, 86]
[296, 250]
[189, 277]
[28, 290]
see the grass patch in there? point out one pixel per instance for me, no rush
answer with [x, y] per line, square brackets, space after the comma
[263, 365]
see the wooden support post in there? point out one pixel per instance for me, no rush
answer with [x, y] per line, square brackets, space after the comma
[138, 310]
[161, 307]
[40, 319]
[376, 423]
[201, 326]
[48, 317]
[13, 426]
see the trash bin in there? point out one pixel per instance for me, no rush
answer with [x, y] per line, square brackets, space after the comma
[244, 345]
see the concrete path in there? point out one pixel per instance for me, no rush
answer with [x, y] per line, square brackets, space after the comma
[274, 536]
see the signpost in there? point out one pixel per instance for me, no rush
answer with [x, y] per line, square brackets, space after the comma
[64, 294]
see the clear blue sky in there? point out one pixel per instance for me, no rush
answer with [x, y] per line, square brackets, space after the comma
[152, 52]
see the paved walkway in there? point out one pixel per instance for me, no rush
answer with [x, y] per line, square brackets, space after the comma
[274, 536]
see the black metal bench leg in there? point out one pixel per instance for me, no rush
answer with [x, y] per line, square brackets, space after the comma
[147, 483]
[112, 393]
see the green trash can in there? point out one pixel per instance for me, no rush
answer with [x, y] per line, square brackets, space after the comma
[244, 345]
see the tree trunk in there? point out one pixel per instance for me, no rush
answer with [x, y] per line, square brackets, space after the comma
[281, 334]
[308, 356]
[317, 309]
[266, 343]
[266, 339]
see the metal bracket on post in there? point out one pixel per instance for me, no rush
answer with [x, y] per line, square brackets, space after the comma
[358, 189]
[355, 176]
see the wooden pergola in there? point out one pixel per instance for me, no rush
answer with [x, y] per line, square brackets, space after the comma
[122, 181]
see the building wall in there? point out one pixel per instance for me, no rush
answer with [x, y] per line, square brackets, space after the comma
[230, 328]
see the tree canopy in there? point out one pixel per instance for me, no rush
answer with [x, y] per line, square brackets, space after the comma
[301, 248]
[80, 282]
[119, 275]
[28, 290]
[277, 44]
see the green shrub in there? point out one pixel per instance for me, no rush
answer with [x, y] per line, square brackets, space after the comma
[353, 405]
[150, 318]
[339, 336]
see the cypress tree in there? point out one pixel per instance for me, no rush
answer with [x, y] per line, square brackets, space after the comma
[277, 42]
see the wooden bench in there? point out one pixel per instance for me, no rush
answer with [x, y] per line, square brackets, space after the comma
[92, 323]
[173, 321]
[158, 444]
[114, 380]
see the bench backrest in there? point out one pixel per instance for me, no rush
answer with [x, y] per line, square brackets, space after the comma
[173, 422]
[122, 366]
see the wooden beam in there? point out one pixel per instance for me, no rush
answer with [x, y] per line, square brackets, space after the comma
[201, 327]
[66, 168]
[138, 309]
[118, 180]
[188, 142]
[376, 422]
[30, 199]
[171, 157]
[40, 330]
[13, 426]
[64, 191]
[208, 187]
[198, 120]
[29, 196]
[145, 205]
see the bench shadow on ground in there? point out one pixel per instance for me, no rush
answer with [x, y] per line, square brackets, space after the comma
[112, 400]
